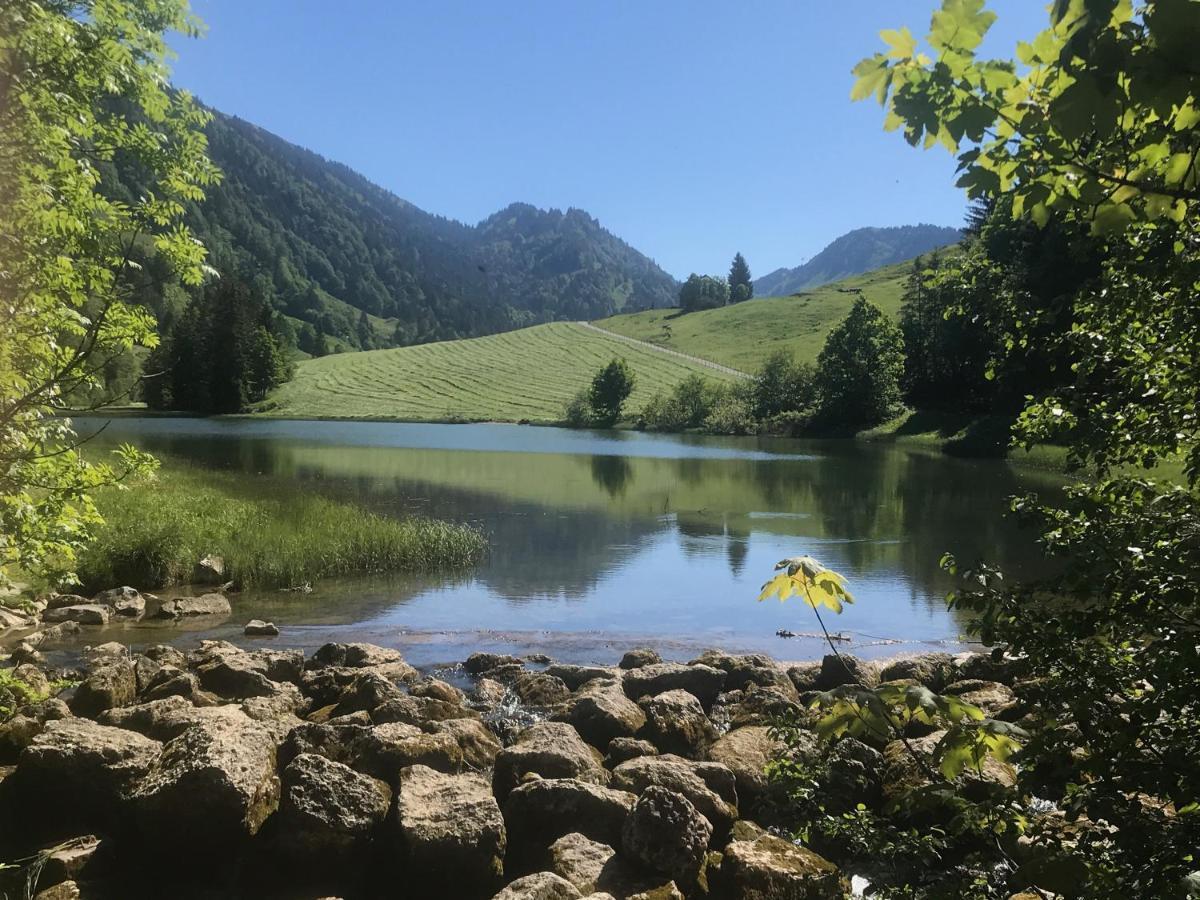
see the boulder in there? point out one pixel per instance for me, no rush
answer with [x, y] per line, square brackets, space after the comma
[667, 834]
[642, 656]
[489, 693]
[755, 705]
[986, 666]
[69, 860]
[703, 682]
[107, 686]
[232, 673]
[169, 681]
[746, 752]
[840, 669]
[478, 663]
[125, 601]
[367, 692]
[209, 570]
[576, 677]
[852, 776]
[215, 783]
[82, 614]
[541, 811]
[418, 711]
[539, 886]
[594, 867]
[623, 749]
[742, 671]
[600, 712]
[386, 749]
[451, 832]
[710, 787]
[156, 718]
[336, 741]
[540, 689]
[548, 749]
[676, 723]
[354, 656]
[902, 773]
[186, 607]
[436, 689]
[995, 699]
[479, 746]
[259, 628]
[328, 812]
[58, 601]
[933, 670]
[66, 890]
[769, 867]
[15, 735]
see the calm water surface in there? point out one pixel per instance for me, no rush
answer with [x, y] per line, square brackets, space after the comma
[603, 541]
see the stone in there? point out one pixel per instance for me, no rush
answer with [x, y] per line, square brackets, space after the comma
[676, 723]
[451, 832]
[82, 614]
[933, 670]
[328, 812]
[593, 867]
[215, 783]
[55, 634]
[69, 860]
[367, 692]
[125, 601]
[66, 890]
[105, 653]
[770, 867]
[667, 834]
[995, 699]
[209, 570]
[540, 689]
[436, 689]
[902, 773]
[986, 667]
[58, 601]
[702, 682]
[600, 712]
[541, 811]
[232, 673]
[755, 705]
[642, 656]
[548, 749]
[746, 752]
[837, 670]
[741, 671]
[539, 886]
[259, 628]
[479, 746]
[852, 776]
[15, 735]
[108, 686]
[710, 787]
[281, 665]
[186, 607]
[418, 711]
[353, 656]
[623, 749]
[478, 663]
[154, 718]
[171, 682]
[575, 677]
[386, 749]
[32, 677]
[489, 692]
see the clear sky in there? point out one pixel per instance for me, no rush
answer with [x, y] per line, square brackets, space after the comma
[692, 129]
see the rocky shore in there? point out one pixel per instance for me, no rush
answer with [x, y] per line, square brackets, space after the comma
[231, 772]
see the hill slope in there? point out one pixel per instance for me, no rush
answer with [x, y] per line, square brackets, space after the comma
[325, 244]
[742, 335]
[856, 252]
[526, 374]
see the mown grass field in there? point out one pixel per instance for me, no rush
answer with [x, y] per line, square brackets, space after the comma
[519, 375]
[744, 334]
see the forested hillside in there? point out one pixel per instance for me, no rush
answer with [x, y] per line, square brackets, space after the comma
[854, 253]
[349, 262]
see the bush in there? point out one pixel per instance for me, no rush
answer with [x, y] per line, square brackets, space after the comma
[784, 386]
[688, 405]
[610, 389]
[859, 368]
[731, 413]
[578, 411]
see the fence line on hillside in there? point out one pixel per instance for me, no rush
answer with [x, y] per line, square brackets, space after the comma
[707, 363]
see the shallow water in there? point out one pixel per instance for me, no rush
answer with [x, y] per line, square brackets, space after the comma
[601, 541]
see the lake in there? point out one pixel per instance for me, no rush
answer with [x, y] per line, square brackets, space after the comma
[602, 541]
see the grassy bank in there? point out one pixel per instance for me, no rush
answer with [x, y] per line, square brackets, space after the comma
[269, 536]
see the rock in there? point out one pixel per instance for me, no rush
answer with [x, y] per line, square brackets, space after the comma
[478, 663]
[933, 670]
[209, 570]
[846, 669]
[80, 772]
[328, 812]
[277, 708]
[67, 890]
[540, 689]
[69, 860]
[576, 677]
[995, 699]
[435, 689]
[676, 723]
[853, 776]
[710, 787]
[354, 656]
[489, 692]
[386, 749]
[770, 867]
[33, 678]
[418, 711]
[172, 682]
[259, 628]
[746, 752]
[539, 886]
[82, 614]
[601, 712]
[986, 667]
[367, 692]
[215, 783]
[281, 665]
[186, 607]
[15, 735]
[125, 601]
[901, 773]
[478, 745]
[24, 653]
[636, 659]
[233, 674]
[667, 834]
[703, 682]
[58, 601]
[451, 831]
[805, 677]
[106, 687]
[623, 749]
[594, 867]
[548, 749]
[156, 718]
[755, 705]
[55, 634]
[741, 671]
[539, 812]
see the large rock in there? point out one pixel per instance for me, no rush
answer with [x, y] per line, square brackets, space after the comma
[232, 673]
[623, 749]
[676, 723]
[595, 867]
[215, 783]
[353, 656]
[108, 686]
[667, 834]
[995, 699]
[386, 749]
[746, 752]
[451, 832]
[328, 812]
[905, 764]
[600, 712]
[741, 671]
[125, 601]
[551, 750]
[478, 744]
[540, 689]
[187, 607]
[710, 787]
[367, 692]
[15, 735]
[639, 657]
[933, 670]
[541, 811]
[703, 682]
[754, 705]
[81, 772]
[770, 868]
[83, 614]
[840, 669]
[575, 677]
[539, 886]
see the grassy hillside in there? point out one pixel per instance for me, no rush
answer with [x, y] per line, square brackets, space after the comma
[744, 334]
[527, 374]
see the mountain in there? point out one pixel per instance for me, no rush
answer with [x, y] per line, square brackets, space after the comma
[325, 245]
[855, 252]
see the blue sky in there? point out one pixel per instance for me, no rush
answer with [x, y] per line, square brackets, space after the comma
[692, 129]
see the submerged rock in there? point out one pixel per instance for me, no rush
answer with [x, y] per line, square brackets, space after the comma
[259, 628]
[186, 607]
[83, 614]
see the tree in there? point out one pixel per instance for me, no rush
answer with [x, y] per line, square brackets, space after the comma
[610, 389]
[81, 83]
[741, 285]
[782, 385]
[859, 369]
[703, 292]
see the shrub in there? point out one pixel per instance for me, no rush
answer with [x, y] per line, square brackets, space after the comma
[578, 411]
[610, 389]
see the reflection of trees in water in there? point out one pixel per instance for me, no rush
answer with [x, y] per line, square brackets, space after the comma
[612, 473]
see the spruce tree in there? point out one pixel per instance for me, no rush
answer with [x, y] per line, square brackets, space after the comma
[741, 287]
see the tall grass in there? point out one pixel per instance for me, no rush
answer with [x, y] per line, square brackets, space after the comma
[156, 531]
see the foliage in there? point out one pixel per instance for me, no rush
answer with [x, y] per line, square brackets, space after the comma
[268, 536]
[731, 411]
[703, 292]
[578, 411]
[859, 369]
[220, 356]
[81, 83]
[687, 406]
[610, 389]
[741, 283]
[783, 386]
